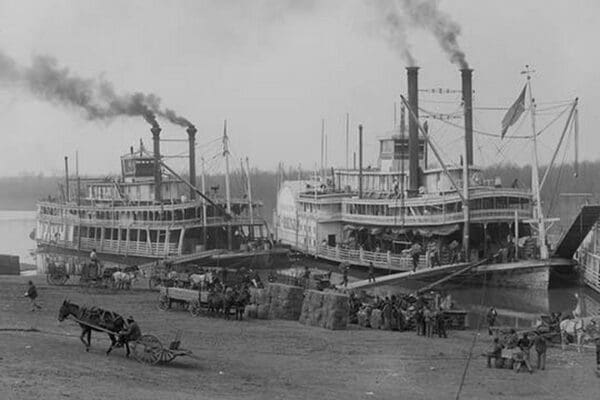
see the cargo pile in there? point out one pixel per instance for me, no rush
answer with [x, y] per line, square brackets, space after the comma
[325, 309]
[277, 301]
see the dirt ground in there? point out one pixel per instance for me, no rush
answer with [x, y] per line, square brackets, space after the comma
[253, 359]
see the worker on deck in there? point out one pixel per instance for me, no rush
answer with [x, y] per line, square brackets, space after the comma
[371, 272]
[491, 318]
[415, 252]
[94, 257]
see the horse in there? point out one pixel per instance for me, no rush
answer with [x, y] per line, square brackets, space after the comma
[581, 329]
[199, 281]
[123, 280]
[215, 301]
[108, 320]
[241, 301]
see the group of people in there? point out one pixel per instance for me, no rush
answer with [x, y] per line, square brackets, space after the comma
[403, 312]
[520, 354]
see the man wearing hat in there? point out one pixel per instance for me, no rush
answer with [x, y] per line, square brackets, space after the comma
[131, 332]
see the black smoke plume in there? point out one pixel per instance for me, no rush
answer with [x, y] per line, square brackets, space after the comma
[394, 28]
[96, 98]
[427, 15]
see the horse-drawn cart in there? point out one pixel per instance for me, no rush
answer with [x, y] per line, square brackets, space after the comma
[193, 300]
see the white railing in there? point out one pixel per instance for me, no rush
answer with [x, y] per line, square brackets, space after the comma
[142, 249]
[142, 224]
[385, 260]
[435, 219]
[591, 268]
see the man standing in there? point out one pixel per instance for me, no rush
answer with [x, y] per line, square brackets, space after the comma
[540, 348]
[440, 323]
[415, 252]
[32, 294]
[525, 346]
[491, 318]
[345, 276]
[94, 256]
[371, 272]
[495, 352]
[429, 317]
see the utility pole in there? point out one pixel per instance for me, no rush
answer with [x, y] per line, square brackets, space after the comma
[204, 233]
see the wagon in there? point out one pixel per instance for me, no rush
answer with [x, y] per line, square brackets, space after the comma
[57, 274]
[148, 349]
[193, 300]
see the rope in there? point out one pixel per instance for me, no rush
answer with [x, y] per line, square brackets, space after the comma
[464, 374]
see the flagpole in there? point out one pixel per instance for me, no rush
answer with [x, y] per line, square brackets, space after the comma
[535, 172]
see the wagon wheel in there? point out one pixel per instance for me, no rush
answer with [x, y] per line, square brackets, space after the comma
[195, 308]
[166, 356]
[164, 303]
[56, 279]
[153, 282]
[147, 349]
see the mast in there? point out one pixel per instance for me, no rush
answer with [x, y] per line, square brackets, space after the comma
[322, 147]
[249, 194]
[78, 179]
[227, 189]
[535, 185]
[360, 161]
[67, 179]
[347, 137]
[203, 178]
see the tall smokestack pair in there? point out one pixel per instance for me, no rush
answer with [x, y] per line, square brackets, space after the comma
[413, 129]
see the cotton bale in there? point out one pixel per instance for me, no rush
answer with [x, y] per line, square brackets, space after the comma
[376, 319]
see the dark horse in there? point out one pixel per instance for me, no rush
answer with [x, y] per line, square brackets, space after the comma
[108, 320]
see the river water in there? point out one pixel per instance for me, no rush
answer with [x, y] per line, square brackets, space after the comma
[516, 307]
[15, 227]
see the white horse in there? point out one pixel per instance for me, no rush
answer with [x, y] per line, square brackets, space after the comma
[123, 280]
[582, 329]
[201, 280]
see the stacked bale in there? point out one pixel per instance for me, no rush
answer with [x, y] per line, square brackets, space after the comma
[327, 310]
[259, 304]
[364, 316]
[286, 301]
[376, 320]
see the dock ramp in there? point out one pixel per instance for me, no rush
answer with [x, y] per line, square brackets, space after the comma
[419, 274]
[581, 226]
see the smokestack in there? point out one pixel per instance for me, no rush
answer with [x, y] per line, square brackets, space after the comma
[467, 93]
[157, 176]
[191, 130]
[412, 74]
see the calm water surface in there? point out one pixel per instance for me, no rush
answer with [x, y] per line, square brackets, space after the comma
[15, 227]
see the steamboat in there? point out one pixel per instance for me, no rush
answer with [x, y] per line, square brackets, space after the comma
[455, 214]
[152, 213]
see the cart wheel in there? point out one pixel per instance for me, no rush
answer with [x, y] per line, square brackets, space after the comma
[153, 282]
[56, 279]
[163, 302]
[195, 308]
[166, 356]
[147, 349]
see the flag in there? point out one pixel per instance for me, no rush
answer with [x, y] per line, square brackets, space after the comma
[514, 112]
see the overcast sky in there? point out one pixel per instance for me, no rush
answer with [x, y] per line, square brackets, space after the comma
[274, 69]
